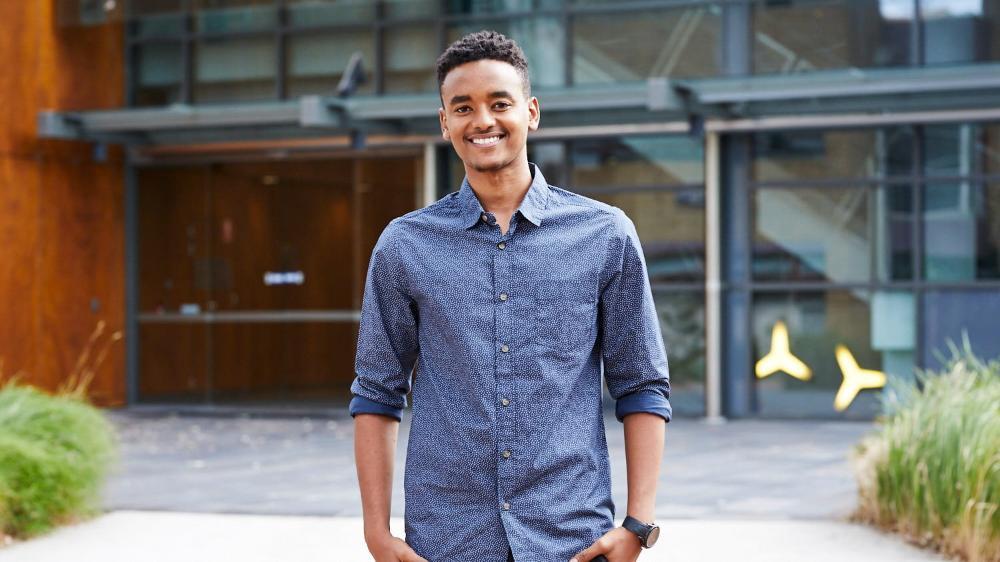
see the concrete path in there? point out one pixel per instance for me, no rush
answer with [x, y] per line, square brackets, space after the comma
[129, 536]
[192, 488]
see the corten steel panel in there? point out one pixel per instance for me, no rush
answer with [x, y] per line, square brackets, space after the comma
[19, 204]
[62, 221]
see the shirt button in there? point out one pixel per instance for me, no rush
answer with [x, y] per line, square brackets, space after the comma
[506, 454]
[504, 348]
[505, 402]
[501, 245]
[485, 218]
[506, 506]
[503, 296]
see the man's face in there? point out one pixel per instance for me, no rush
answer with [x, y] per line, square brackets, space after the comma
[485, 115]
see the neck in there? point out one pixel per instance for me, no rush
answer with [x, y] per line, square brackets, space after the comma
[501, 191]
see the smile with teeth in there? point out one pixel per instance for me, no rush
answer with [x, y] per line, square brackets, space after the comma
[486, 141]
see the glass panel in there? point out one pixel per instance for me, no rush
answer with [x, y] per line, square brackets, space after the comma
[682, 323]
[235, 70]
[671, 226]
[542, 40]
[948, 315]
[551, 158]
[811, 234]
[273, 363]
[964, 149]
[633, 46]
[487, 6]
[410, 54]
[637, 160]
[807, 155]
[804, 35]
[800, 368]
[312, 13]
[894, 223]
[958, 31]
[961, 231]
[224, 16]
[156, 18]
[316, 62]
[401, 9]
[158, 78]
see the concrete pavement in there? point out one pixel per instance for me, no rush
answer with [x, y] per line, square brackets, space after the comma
[130, 536]
[283, 489]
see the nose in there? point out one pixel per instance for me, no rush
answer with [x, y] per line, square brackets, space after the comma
[484, 119]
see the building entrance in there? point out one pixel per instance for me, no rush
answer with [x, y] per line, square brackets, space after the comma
[251, 275]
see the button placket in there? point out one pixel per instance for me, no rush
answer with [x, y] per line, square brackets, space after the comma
[503, 315]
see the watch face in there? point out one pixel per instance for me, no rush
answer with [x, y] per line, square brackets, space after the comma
[654, 534]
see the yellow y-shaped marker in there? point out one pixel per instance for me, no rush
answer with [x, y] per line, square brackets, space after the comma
[855, 379]
[780, 358]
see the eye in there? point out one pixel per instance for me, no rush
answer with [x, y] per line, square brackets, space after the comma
[501, 105]
[463, 109]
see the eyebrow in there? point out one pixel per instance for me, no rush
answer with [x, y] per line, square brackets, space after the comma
[493, 95]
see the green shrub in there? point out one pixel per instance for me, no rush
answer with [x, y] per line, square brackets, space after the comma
[55, 452]
[932, 472]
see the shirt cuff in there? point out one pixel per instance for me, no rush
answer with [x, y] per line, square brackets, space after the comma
[362, 405]
[649, 401]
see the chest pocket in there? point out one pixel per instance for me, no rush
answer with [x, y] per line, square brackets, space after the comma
[565, 314]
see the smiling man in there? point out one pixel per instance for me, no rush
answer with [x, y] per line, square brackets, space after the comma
[511, 296]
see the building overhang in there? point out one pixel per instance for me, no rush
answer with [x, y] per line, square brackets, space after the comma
[850, 97]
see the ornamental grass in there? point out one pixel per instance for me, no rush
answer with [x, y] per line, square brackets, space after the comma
[932, 471]
[55, 450]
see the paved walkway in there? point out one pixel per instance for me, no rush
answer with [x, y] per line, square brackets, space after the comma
[284, 489]
[129, 536]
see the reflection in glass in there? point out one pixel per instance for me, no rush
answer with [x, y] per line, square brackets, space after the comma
[541, 38]
[312, 13]
[893, 214]
[950, 315]
[682, 323]
[963, 149]
[316, 62]
[158, 80]
[960, 31]
[410, 54]
[487, 6]
[806, 35]
[633, 46]
[671, 226]
[637, 161]
[551, 158]
[156, 18]
[811, 234]
[877, 328]
[235, 70]
[225, 16]
[802, 155]
[961, 231]
[400, 9]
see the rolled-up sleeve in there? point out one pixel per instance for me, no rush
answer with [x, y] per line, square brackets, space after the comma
[387, 339]
[633, 353]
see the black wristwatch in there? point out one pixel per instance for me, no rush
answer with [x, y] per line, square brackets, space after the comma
[647, 533]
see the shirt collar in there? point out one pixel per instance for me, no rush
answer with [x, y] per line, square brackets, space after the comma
[532, 206]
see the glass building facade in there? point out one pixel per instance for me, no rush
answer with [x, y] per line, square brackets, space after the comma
[842, 244]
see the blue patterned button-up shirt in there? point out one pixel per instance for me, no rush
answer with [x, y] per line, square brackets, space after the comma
[509, 333]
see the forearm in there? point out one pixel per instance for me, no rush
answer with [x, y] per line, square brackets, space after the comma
[644, 435]
[374, 453]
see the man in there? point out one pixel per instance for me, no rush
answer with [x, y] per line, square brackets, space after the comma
[508, 295]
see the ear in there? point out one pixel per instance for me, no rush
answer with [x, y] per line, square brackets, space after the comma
[443, 119]
[534, 114]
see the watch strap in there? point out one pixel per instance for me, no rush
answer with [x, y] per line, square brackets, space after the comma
[638, 528]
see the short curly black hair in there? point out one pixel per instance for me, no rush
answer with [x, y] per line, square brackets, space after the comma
[484, 45]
